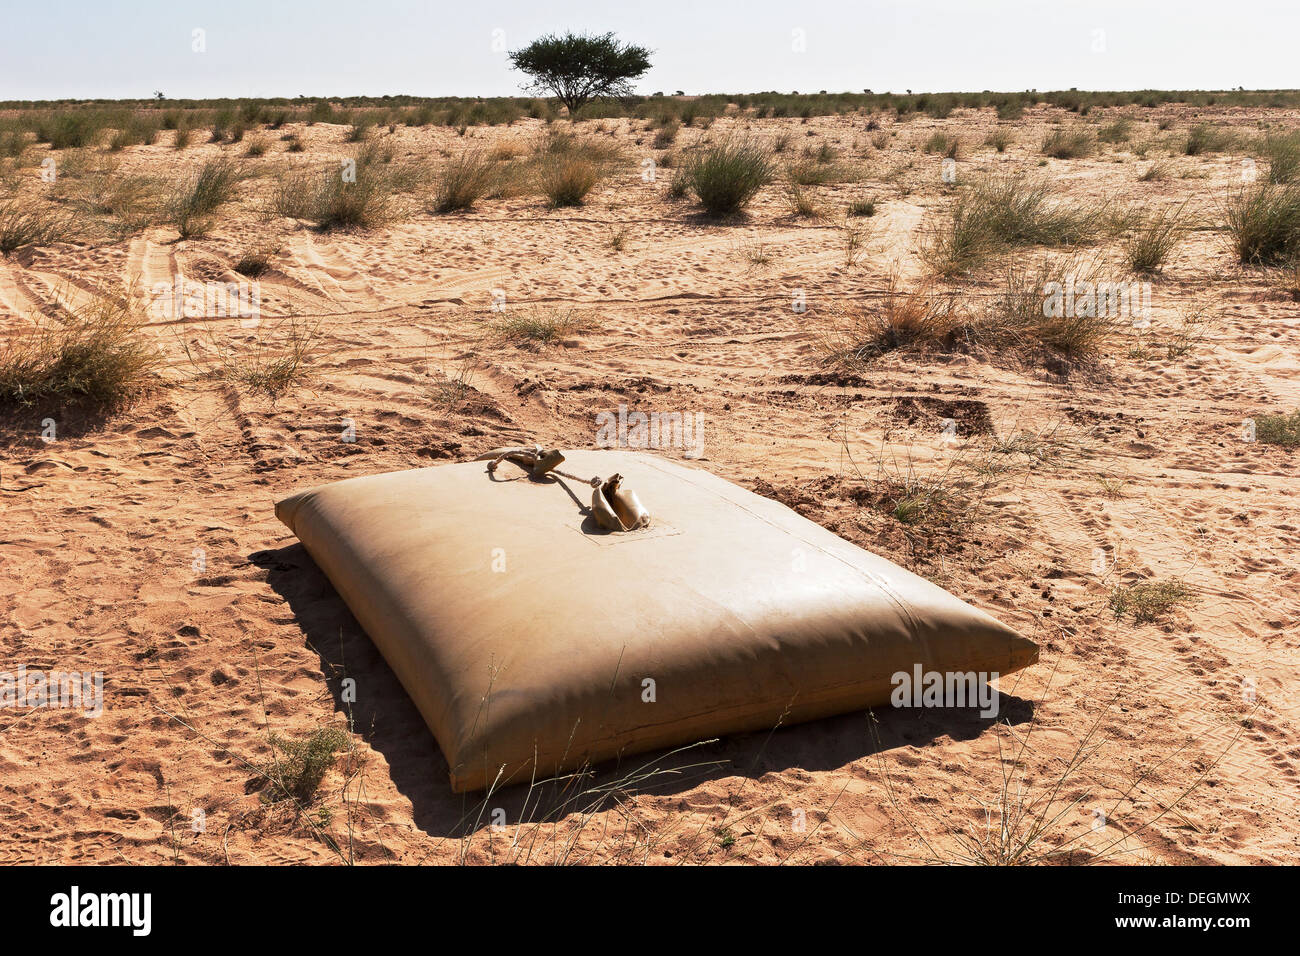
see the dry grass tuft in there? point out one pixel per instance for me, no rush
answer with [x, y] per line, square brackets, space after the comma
[539, 327]
[196, 199]
[330, 201]
[567, 178]
[464, 180]
[727, 176]
[1149, 246]
[96, 354]
[1157, 172]
[1205, 139]
[998, 213]
[256, 261]
[1021, 317]
[1283, 155]
[28, 223]
[945, 144]
[1069, 144]
[1263, 223]
[268, 359]
[1149, 601]
[862, 332]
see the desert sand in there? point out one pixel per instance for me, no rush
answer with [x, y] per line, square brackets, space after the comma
[144, 545]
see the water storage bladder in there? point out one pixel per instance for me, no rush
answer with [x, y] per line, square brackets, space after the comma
[537, 632]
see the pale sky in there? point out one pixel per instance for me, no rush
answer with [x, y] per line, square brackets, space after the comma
[51, 49]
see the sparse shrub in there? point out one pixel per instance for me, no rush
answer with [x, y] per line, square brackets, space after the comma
[810, 173]
[297, 767]
[802, 202]
[1289, 276]
[962, 244]
[13, 143]
[503, 150]
[860, 333]
[70, 129]
[1015, 321]
[97, 354]
[256, 147]
[562, 143]
[1281, 430]
[912, 498]
[680, 184]
[1190, 331]
[373, 152]
[139, 129]
[321, 112]
[754, 253]
[727, 176]
[294, 144]
[133, 200]
[1018, 317]
[855, 242]
[667, 134]
[267, 362]
[824, 154]
[359, 130]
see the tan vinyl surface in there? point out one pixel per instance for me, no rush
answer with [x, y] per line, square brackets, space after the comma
[742, 613]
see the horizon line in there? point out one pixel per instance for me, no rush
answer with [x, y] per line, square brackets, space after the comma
[659, 94]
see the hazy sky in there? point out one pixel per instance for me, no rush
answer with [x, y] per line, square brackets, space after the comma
[53, 49]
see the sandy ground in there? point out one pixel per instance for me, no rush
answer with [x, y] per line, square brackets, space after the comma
[145, 546]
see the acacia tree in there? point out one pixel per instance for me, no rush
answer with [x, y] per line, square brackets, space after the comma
[576, 68]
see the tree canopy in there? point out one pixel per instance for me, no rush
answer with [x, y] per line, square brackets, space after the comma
[576, 68]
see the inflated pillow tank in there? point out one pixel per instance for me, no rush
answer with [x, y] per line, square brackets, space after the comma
[541, 623]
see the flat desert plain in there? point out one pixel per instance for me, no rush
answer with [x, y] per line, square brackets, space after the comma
[141, 543]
